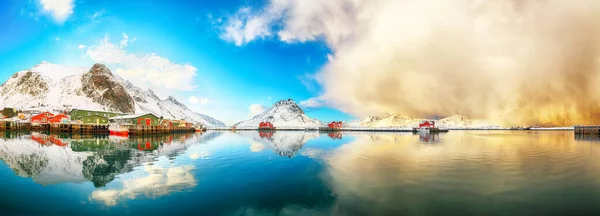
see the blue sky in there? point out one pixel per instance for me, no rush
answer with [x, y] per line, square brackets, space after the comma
[225, 78]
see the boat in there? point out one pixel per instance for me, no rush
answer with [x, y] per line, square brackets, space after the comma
[118, 130]
[199, 129]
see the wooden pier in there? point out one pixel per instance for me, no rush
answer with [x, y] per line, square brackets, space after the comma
[79, 128]
[587, 129]
[14, 126]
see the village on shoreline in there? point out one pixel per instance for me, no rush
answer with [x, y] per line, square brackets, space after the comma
[93, 121]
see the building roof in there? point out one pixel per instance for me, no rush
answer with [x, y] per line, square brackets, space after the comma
[80, 117]
[95, 111]
[133, 116]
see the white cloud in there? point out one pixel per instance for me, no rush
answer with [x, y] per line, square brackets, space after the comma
[60, 10]
[56, 38]
[313, 102]
[256, 109]
[144, 70]
[245, 25]
[201, 100]
[81, 46]
[125, 40]
[158, 182]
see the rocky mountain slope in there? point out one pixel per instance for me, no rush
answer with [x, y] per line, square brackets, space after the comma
[284, 114]
[95, 89]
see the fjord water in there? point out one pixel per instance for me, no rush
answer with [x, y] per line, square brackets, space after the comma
[302, 173]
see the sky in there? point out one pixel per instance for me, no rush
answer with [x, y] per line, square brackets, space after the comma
[178, 48]
[509, 62]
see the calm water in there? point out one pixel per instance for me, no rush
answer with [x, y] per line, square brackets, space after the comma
[302, 173]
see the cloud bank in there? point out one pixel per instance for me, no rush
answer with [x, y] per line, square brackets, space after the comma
[511, 62]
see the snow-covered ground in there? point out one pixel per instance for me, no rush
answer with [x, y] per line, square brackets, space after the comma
[399, 122]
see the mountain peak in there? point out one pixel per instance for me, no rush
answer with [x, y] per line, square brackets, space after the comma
[285, 102]
[100, 69]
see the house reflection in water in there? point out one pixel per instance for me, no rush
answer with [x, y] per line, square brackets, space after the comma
[429, 138]
[52, 139]
[335, 135]
[265, 134]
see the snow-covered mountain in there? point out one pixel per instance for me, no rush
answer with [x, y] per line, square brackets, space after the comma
[399, 121]
[284, 114]
[43, 88]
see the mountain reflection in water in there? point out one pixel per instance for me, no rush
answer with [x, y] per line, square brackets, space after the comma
[53, 159]
[304, 173]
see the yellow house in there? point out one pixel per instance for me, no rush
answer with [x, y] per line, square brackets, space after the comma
[21, 116]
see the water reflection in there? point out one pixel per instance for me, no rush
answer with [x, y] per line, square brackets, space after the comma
[462, 173]
[284, 143]
[53, 159]
[479, 173]
[429, 137]
[588, 137]
[335, 135]
[156, 181]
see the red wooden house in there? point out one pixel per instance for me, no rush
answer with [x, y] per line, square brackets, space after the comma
[335, 125]
[265, 125]
[59, 118]
[427, 124]
[41, 118]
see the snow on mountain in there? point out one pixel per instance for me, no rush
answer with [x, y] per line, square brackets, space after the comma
[284, 114]
[170, 108]
[462, 122]
[399, 121]
[94, 89]
[284, 143]
[57, 72]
